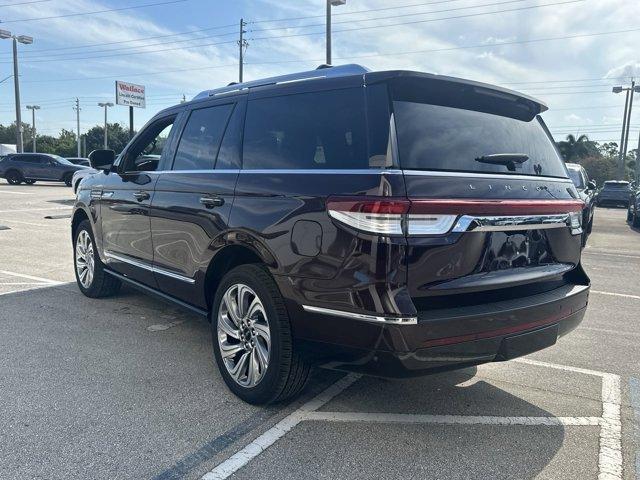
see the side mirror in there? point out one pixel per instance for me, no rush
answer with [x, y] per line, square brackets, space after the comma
[102, 159]
[592, 185]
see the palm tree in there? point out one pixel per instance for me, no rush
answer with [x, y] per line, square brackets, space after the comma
[573, 148]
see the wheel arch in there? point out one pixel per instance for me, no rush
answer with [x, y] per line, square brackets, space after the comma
[227, 258]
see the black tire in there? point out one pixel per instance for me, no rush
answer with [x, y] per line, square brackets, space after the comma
[14, 177]
[636, 220]
[286, 373]
[67, 179]
[103, 284]
[629, 215]
[29, 182]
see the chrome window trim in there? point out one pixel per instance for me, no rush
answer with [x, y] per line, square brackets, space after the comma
[150, 268]
[379, 171]
[394, 320]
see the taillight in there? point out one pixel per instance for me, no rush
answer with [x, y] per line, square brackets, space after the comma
[397, 216]
[375, 215]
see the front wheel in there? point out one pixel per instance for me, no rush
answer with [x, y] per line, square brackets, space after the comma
[67, 180]
[29, 182]
[91, 276]
[636, 219]
[14, 177]
[252, 339]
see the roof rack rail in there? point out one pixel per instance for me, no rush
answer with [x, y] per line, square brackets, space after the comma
[329, 72]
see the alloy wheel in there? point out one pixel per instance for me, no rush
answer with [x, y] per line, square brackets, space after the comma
[244, 336]
[85, 259]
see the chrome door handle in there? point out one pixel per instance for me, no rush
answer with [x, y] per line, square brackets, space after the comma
[142, 195]
[210, 202]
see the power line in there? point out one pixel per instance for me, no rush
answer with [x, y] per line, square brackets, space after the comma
[91, 45]
[33, 55]
[355, 12]
[78, 14]
[422, 21]
[23, 3]
[65, 57]
[396, 16]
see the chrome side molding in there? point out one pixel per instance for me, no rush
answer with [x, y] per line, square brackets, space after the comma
[393, 320]
[150, 268]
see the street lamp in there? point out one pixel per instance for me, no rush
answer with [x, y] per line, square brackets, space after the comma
[26, 40]
[33, 109]
[626, 121]
[105, 105]
[331, 3]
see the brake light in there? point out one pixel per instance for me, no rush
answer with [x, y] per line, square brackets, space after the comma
[398, 216]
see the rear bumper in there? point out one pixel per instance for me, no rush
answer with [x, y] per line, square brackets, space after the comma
[441, 339]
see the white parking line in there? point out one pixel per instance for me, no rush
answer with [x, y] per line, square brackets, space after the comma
[31, 224]
[450, 419]
[623, 255]
[30, 277]
[268, 438]
[16, 193]
[35, 209]
[613, 294]
[622, 333]
[610, 462]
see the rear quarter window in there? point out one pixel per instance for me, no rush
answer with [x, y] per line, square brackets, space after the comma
[316, 130]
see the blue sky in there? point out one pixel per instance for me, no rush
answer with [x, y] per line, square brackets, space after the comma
[186, 46]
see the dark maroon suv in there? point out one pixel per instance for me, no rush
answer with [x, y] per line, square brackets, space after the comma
[391, 223]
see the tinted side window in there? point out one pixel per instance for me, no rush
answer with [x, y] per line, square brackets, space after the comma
[198, 147]
[229, 153]
[316, 130]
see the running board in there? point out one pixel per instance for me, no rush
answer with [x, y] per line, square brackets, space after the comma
[163, 296]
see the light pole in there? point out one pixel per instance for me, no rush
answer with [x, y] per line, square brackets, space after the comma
[626, 121]
[331, 3]
[105, 105]
[24, 39]
[33, 109]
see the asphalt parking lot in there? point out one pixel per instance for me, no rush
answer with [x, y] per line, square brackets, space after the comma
[126, 387]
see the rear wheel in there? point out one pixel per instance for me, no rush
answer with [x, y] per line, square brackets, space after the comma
[67, 179]
[91, 277]
[14, 177]
[252, 339]
[636, 219]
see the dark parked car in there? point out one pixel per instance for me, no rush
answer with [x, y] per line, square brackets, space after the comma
[390, 223]
[29, 167]
[79, 161]
[633, 213]
[614, 193]
[587, 191]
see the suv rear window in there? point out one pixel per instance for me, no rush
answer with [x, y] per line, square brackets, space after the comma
[436, 137]
[616, 185]
[318, 130]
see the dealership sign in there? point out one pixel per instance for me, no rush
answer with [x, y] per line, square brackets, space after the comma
[130, 94]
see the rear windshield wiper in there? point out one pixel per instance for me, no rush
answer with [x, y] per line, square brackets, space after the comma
[509, 160]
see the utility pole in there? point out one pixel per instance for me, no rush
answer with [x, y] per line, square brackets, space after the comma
[331, 3]
[26, 40]
[77, 109]
[626, 123]
[242, 44]
[33, 109]
[106, 105]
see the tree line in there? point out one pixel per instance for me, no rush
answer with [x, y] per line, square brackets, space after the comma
[65, 144]
[599, 159]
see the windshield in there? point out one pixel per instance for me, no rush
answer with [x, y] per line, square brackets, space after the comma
[616, 186]
[575, 177]
[59, 159]
[436, 137]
